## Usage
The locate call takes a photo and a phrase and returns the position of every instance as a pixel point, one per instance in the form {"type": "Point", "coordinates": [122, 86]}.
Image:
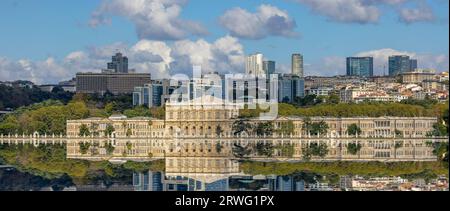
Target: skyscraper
{"type": "Point", "coordinates": [413, 63]}
{"type": "Point", "coordinates": [360, 66]}
{"type": "Point", "coordinates": [119, 64]}
{"type": "Point", "coordinates": [400, 64]}
{"type": "Point", "coordinates": [297, 65]}
{"type": "Point", "coordinates": [254, 65]}
{"type": "Point", "coordinates": [269, 68]}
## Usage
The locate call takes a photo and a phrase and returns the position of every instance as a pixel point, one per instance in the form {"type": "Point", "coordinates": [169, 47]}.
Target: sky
{"type": "Point", "coordinates": [48, 41]}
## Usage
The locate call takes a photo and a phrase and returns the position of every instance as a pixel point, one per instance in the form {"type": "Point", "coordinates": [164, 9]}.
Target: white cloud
{"type": "Point", "coordinates": [327, 66]}
{"type": "Point", "coordinates": [346, 11]}
{"type": "Point", "coordinates": [422, 13]}
{"type": "Point", "coordinates": [369, 11]}
{"type": "Point", "coordinates": [153, 19]}
{"type": "Point", "coordinates": [266, 21]}
{"type": "Point", "coordinates": [161, 59]}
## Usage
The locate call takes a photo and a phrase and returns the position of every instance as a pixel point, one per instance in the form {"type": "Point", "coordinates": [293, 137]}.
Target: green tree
{"type": "Point", "coordinates": [219, 147]}
{"type": "Point", "coordinates": [84, 147]}
{"type": "Point", "coordinates": [241, 125]}
{"type": "Point", "coordinates": [264, 149]}
{"type": "Point", "coordinates": [286, 128]}
{"type": "Point", "coordinates": [240, 151]}
{"type": "Point", "coordinates": [109, 148]}
{"type": "Point", "coordinates": [333, 99]}
{"type": "Point", "coordinates": [314, 149]}
{"type": "Point", "coordinates": [354, 130]}
{"type": "Point", "coordinates": [129, 132]}
{"type": "Point", "coordinates": [129, 146]}
{"type": "Point", "coordinates": [219, 130]}
{"type": "Point", "coordinates": [84, 131]}
{"type": "Point", "coordinates": [264, 128]}
{"type": "Point", "coordinates": [317, 128]}
{"type": "Point", "coordinates": [109, 130]}
{"type": "Point", "coordinates": [10, 125]}
{"type": "Point", "coordinates": [354, 148]}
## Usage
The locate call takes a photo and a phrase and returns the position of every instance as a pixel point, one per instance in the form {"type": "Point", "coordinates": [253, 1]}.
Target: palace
{"type": "Point", "coordinates": [213, 118]}
{"type": "Point", "coordinates": [204, 128]}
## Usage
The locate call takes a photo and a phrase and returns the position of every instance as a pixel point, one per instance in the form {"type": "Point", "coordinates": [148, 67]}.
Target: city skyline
{"type": "Point", "coordinates": [63, 45]}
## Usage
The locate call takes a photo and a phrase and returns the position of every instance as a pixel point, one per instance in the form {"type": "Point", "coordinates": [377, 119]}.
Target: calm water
{"type": "Point", "coordinates": [13, 180]}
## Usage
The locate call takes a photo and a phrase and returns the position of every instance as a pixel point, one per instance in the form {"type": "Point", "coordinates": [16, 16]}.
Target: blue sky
{"type": "Point", "coordinates": [35, 31]}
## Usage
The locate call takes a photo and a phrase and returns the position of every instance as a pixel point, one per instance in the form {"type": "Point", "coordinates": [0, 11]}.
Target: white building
{"type": "Point", "coordinates": [255, 64]}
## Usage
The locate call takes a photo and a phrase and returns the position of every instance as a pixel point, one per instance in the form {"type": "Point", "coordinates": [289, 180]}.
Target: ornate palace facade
{"type": "Point", "coordinates": [204, 128]}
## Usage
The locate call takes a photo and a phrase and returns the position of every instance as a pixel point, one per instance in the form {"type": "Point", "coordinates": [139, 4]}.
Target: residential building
{"type": "Point", "coordinates": [320, 91]}
{"type": "Point", "coordinates": [418, 76]}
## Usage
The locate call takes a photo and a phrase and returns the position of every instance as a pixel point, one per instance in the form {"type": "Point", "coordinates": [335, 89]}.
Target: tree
{"type": "Point", "coordinates": [286, 128]}
{"type": "Point", "coordinates": [219, 147]}
{"type": "Point", "coordinates": [84, 147]}
{"type": "Point", "coordinates": [129, 132]}
{"type": "Point", "coordinates": [110, 108]}
{"type": "Point", "coordinates": [10, 125]}
{"type": "Point", "coordinates": [240, 151]}
{"type": "Point", "coordinates": [129, 146]}
{"type": "Point", "coordinates": [109, 149]}
{"type": "Point", "coordinates": [317, 128]}
{"type": "Point", "coordinates": [240, 126]}
{"type": "Point", "coordinates": [398, 133]}
{"type": "Point", "coordinates": [333, 99]}
{"type": "Point", "coordinates": [265, 128]}
{"type": "Point", "coordinates": [314, 149]}
{"type": "Point", "coordinates": [354, 148]}
{"type": "Point", "coordinates": [219, 130]}
{"type": "Point", "coordinates": [109, 130]}
{"type": "Point", "coordinates": [354, 130]}
{"type": "Point", "coordinates": [438, 130]}
{"type": "Point", "coordinates": [264, 149]}
{"type": "Point", "coordinates": [84, 131]}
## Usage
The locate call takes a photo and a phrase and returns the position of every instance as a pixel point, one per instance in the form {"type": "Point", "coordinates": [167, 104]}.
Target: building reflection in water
{"type": "Point", "coordinates": [210, 174]}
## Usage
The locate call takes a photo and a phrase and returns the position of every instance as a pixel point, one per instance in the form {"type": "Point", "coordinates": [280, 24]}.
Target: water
{"type": "Point", "coordinates": [13, 180]}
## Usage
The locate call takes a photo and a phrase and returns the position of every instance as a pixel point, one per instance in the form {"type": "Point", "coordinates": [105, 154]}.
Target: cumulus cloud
{"type": "Point", "coordinates": [336, 65]}
{"type": "Point", "coordinates": [266, 21]}
{"type": "Point", "coordinates": [159, 58]}
{"type": "Point", "coordinates": [153, 19]}
{"type": "Point", "coordinates": [423, 13]}
{"type": "Point", "coordinates": [346, 11]}
{"type": "Point", "coordinates": [369, 11]}
{"type": "Point", "coordinates": [327, 66]}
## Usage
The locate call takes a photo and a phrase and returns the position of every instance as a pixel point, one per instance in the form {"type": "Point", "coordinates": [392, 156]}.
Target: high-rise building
{"type": "Point", "coordinates": [119, 64]}
{"type": "Point", "coordinates": [297, 65]}
{"type": "Point", "coordinates": [400, 64]}
{"type": "Point", "coordinates": [149, 95]}
{"type": "Point", "coordinates": [360, 66]}
{"type": "Point", "coordinates": [290, 87]}
{"type": "Point", "coordinates": [413, 63]}
{"type": "Point", "coordinates": [254, 65]}
{"type": "Point", "coordinates": [269, 68]}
